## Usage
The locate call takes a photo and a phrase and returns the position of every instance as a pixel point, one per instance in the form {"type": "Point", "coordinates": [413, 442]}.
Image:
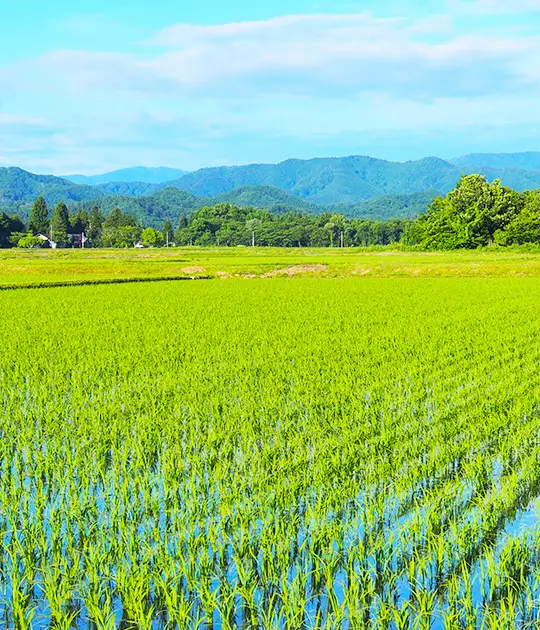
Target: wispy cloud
{"type": "Point", "coordinates": [308, 54]}
{"type": "Point", "coordinates": [494, 7]}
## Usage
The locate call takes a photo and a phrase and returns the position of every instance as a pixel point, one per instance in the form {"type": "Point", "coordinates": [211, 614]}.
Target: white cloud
{"type": "Point", "coordinates": [306, 54]}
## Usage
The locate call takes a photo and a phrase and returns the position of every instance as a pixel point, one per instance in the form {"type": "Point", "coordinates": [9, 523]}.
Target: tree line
{"type": "Point", "coordinates": [222, 224]}
{"type": "Point", "coordinates": [476, 213]}
{"type": "Point", "coordinates": [66, 228]}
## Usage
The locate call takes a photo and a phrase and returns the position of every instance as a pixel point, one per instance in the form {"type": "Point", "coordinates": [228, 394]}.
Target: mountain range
{"type": "Point", "coordinates": [529, 161]}
{"type": "Point", "coordinates": [358, 186]}
{"type": "Point", "coordinates": [150, 175]}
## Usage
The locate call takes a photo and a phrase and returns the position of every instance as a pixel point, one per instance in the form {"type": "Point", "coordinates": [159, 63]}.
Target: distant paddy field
{"type": "Point", "coordinates": [47, 267]}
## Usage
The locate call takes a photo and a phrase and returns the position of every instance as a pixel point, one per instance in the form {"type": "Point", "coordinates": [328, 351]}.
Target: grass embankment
{"type": "Point", "coordinates": [38, 268]}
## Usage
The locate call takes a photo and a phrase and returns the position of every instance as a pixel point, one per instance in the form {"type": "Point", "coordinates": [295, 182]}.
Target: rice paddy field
{"type": "Point", "coordinates": [287, 453]}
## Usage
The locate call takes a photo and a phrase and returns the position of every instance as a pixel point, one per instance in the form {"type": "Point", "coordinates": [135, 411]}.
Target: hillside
{"type": "Point", "coordinates": [265, 197]}
{"type": "Point", "coordinates": [148, 175]}
{"type": "Point", "coordinates": [169, 203]}
{"type": "Point", "coordinates": [130, 189]}
{"type": "Point", "coordinates": [18, 186]}
{"type": "Point", "coordinates": [388, 206]}
{"type": "Point", "coordinates": [350, 180]}
{"type": "Point", "coordinates": [172, 203]}
{"type": "Point", "coordinates": [150, 203]}
{"type": "Point", "coordinates": [355, 186]}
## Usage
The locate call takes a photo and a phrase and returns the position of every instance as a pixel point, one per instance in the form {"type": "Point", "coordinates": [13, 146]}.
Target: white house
{"type": "Point", "coordinates": [47, 241]}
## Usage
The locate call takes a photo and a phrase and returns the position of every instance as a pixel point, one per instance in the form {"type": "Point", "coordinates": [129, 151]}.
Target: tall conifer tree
{"type": "Point", "coordinates": [60, 223]}
{"type": "Point", "coordinates": [39, 217]}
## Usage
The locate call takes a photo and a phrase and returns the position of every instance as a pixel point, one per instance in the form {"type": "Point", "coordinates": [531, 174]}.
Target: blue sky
{"type": "Point", "coordinates": [96, 85]}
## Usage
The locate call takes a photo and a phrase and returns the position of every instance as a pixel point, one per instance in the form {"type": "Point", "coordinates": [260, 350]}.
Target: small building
{"type": "Point", "coordinates": [47, 243]}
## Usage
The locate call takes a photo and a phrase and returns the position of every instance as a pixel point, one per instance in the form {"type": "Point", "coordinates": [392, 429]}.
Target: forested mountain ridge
{"type": "Point", "coordinates": [131, 189]}
{"type": "Point", "coordinates": [265, 197]}
{"type": "Point", "coordinates": [348, 180]}
{"type": "Point", "coordinates": [172, 203]}
{"type": "Point", "coordinates": [476, 213]}
{"type": "Point", "coordinates": [167, 204]}
{"type": "Point", "coordinates": [327, 181]}
{"type": "Point", "coordinates": [388, 206]}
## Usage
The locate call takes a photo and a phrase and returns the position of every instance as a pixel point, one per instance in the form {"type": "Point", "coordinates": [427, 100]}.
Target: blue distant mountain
{"type": "Point", "coordinates": [148, 175]}
{"type": "Point", "coordinates": [529, 161]}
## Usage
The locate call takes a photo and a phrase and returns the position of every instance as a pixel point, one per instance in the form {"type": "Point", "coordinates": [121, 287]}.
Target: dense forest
{"type": "Point", "coordinates": [475, 213]}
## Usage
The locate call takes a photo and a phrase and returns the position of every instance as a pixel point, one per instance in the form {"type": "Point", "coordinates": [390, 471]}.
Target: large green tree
{"type": "Point", "coordinates": [60, 223]}
{"type": "Point", "coordinates": [95, 225]}
{"type": "Point", "coordinates": [9, 224]}
{"type": "Point", "coordinates": [117, 219]}
{"type": "Point", "coordinates": [121, 237]}
{"type": "Point", "coordinates": [469, 216]}
{"type": "Point", "coordinates": [525, 227]}
{"type": "Point", "coordinates": [151, 237]}
{"type": "Point", "coordinates": [79, 222]}
{"type": "Point", "coordinates": [39, 217]}
{"type": "Point", "coordinates": [119, 230]}
{"type": "Point", "coordinates": [168, 231]}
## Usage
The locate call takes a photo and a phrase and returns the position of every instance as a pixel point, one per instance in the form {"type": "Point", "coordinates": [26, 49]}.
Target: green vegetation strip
{"type": "Point", "coordinates": [81, 283]}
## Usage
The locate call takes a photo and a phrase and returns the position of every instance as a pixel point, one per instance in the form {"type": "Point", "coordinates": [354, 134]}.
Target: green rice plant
{"type": "Point", "coordinates": [402, 616]}
{"type": "Point", "coordinates": [99, 606]}
{"type": "Point", "coordinates": [20, 604]}
{"type": "Point", "coordinates": [134, 591]}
